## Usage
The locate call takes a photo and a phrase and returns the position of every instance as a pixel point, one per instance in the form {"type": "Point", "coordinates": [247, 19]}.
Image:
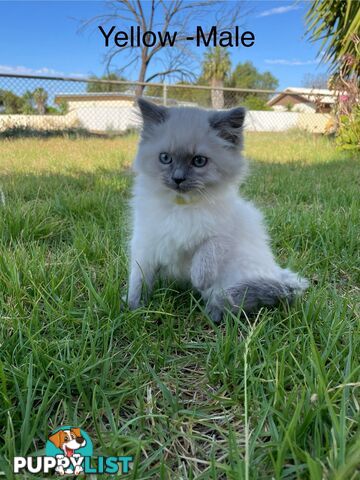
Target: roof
{"type": "Point", "coordinates": [322, 95]}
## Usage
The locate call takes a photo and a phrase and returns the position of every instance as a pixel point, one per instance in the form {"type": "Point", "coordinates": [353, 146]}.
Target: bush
{"type": "Point", "coordinates": [348, 134]}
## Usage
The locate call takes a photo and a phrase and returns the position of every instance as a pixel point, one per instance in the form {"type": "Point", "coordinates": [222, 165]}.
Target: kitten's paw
{"type": "Point", "coordinates": [134, 304]}
{"type": "Point", "coordinates": [214, 312]}
{"type": "Point", "coordinates": [294, 281]}
{"type": "Point", "coordinates": [128, 303]}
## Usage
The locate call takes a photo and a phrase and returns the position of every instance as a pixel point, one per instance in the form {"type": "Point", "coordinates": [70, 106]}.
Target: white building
{"type": "Point", "coordinates": [103, 111]}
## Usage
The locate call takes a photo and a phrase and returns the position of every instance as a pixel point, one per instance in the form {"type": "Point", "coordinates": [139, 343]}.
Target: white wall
{"type": "Point", "coordinates": [107, 116]}
{"type": "Point", "coordinates": [259, 121]}
{"type": "Point", "coordinates": [120, 115]}
{"type": "Point", "coordinates": [39, 122]}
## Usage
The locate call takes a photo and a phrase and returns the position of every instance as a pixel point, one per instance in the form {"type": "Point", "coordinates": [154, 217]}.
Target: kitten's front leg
{"type": "Point", "coordinates": [205, 266]}
{"type": "Point", "coordinates": [141, 281]}
{"type": "Point", "coordinates": [205, 263]}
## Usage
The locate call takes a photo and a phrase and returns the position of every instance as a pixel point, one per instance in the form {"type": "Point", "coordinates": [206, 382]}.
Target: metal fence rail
{"type": "Point", "coordinates": [42, 104]}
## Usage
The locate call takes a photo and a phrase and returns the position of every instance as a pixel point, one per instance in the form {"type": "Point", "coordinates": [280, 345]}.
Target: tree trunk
{"type": "Point", "coordinates": [40, 107]}
{"type": "Point", "coordinates": [139, 89]}
{"type": "Point", "coordinates": [217, 95]}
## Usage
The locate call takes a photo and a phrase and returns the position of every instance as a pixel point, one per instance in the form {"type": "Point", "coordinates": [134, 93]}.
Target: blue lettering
{"type": "Point", "coordinates": [125, 463]}
{"type": "Point", "coordinates": [87, 465]}
{"type": "Point", "coordinates": [111, 465]}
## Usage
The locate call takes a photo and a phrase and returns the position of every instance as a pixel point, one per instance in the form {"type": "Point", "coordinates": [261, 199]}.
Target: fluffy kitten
{"type": "Point", "coordinates": [189, 221]}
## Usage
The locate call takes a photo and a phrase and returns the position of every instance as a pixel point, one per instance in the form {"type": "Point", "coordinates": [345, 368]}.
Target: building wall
{"type": "Point", "coordinates": [258, 121]}
{"type": "Point", "coordinates": [39, 122]}
{"type": "Point", "coordinates": [299, 104]}
{"type": "Point", "coordinates": [105, 115]}
{"type": "Point", "coordinates": [119, 116]}
{"type": "Point", "coordinates": [314, 122]}
{"type": "Point", "coordinates": [289, 99]}
{"type": "Point", "coordinates": [296, 107]}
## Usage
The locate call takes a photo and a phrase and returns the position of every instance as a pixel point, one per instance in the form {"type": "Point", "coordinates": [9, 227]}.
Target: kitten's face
{"type": "Point", "coordinates": [190, 149]}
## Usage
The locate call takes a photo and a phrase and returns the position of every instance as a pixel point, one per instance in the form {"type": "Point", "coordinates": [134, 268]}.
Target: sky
{"type": "Point", "coordinates": [43, 37]}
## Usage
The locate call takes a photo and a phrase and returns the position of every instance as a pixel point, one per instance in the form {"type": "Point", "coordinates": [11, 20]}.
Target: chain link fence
{"type": "Point", "coordinates": [39, 105]}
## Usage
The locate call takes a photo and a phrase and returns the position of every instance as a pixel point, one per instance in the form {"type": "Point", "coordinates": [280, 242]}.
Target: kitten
{"type": "Point", "coordinates": [189, 221]}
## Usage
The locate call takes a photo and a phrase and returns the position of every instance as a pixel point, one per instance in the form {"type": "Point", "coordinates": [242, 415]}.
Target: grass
{"type": "Point", "coordinates": [274, 399]}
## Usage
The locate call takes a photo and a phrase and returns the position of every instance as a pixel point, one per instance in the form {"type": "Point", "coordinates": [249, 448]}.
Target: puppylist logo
{"type": "Point", "coordinates": [69, 450]}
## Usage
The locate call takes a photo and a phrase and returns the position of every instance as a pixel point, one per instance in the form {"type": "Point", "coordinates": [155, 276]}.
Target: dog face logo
{"type": "Point", "coordinates": [68, 440]}
{"type": "Point", "coordinates": [69, 445]}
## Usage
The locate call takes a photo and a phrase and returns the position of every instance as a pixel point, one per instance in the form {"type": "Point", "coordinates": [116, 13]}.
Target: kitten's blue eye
{"type": "Point", "coordinates": [199, 161]}
{"type": "Point", "coordinates": [165, 158]}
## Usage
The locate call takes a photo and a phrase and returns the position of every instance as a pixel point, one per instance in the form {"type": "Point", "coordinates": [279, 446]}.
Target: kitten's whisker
{"type": "Point", "coordinates": [205, 195]}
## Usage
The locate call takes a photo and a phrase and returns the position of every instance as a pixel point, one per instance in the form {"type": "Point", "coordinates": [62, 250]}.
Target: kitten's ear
{"type": "Point", "coordinates": [229, 124]}
{"type": "Point", "coordinates": [151, 114]}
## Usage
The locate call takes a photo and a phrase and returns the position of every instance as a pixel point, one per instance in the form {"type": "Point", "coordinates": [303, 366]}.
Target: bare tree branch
{"type": "Point", "coordinates": [183, 73]}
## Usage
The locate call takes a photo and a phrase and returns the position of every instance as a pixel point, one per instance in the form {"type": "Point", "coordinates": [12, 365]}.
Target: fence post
{"type": "Point", "coordinates": [164, 93]}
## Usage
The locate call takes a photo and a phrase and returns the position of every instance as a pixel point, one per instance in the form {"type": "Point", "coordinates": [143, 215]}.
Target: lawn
{"type": "Point", "coordinates": [275, 398]}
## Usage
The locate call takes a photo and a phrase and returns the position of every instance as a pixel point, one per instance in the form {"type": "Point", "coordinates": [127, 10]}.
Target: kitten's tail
{"type": "Point", "coordinates": [251, 295]}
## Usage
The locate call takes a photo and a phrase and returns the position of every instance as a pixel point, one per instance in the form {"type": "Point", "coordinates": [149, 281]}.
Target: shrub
{"type": "Point", "coordinates": [348, 133]}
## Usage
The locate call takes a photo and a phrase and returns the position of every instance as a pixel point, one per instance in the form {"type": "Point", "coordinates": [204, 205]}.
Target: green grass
{"type": "Point", "coordinates": [274, 399]}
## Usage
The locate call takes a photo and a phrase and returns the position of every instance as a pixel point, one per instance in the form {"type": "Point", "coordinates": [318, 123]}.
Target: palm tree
{"type": "Point", "coordinates": [28, 99]}
{"type": "Point", "coordinates": [40, 98]}
{"type": "Point", "coordinates": [216, 68]}
{"type": "Point", "coordinates": [336, 24]}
